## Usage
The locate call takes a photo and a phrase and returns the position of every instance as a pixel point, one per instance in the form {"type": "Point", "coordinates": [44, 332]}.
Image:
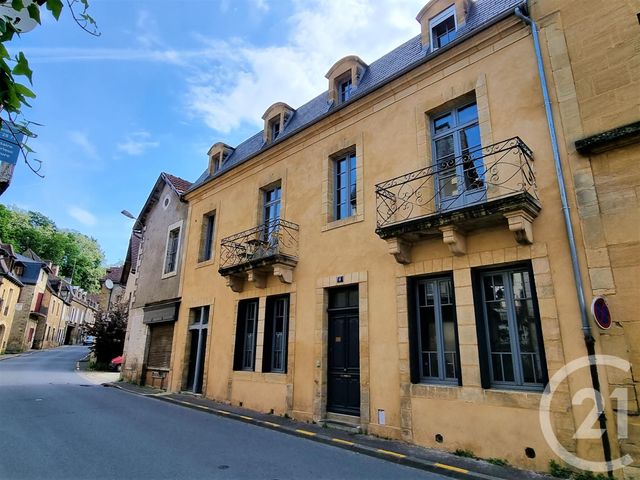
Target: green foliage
{"type": "Point", "coordinates": [462, 452]}
{"type": "Point", "coordinates": [561, 471]}
{"type": "Point", "coordinates": [78, 255]}
{"type": "Point", "coordinates": [109, 330]}
{"type": "Point", "coordinates": [501, 462]}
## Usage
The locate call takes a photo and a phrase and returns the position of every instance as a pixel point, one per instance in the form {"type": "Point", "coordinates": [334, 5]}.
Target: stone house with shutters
{"type": "Point", "coordinates": [10, 287]}
{"type": "Point", "coordinates": [413, 252]}
{"type": "Point", "coordinates": [31, 309]}
{"type": "Point", "coordinates": [153, 267]}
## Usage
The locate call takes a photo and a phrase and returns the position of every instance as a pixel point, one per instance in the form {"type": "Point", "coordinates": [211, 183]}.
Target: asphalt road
{"type": "Point", "coordinates": [55, 425]}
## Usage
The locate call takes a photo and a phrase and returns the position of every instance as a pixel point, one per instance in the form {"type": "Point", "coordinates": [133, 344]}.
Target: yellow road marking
{"type": "Point", "coordinates": [453, 469]}
{"type": "Point", "coordinates": [344, 442]}
{"type": "Point", "coordinates": [305, 432]}
{"type": "Point", "coordinates": [399, 455]}
{"type": "Point", "coordinates": [245, 417]}
{"type": "Point", "coordinates": [270, 423]}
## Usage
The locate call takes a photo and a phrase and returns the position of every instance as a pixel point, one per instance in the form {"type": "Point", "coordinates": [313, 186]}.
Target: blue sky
{"type": "Point", "coordinates": [165, 81]}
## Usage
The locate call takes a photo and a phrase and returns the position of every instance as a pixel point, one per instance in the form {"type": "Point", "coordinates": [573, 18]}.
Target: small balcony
{"type": "Point", "coordinates": [252, 255]}
{"type": "Point", "coordinates": [40, 311]}
{"type": "Point", "coordinates": [483, 188]}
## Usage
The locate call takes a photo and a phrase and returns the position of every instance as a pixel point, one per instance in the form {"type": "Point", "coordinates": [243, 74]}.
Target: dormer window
{"type": "Point", "coordinates": [344, 78]}
{"type": "Point", "coordinates": [443, 28]}
{"type": "Point", "coordinates": [440, 20]}
{"type": "Point", "coordinates": [218, 155]}
{"type": "Point", "coordinates": [275, 121]}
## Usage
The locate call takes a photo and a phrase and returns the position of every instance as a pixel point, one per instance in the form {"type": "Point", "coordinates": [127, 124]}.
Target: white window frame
{"type": "Point", "coordinates": [170, 228]}
{"type": "Point", "coordinates": [438, 19]}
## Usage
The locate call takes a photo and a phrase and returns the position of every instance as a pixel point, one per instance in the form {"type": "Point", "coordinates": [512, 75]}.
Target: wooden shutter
{"type": "Point", "coordinates": [160, 339]}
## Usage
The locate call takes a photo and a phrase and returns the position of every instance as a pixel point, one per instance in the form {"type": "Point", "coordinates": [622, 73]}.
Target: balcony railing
{"type": "Point", "coordinates": [273, 241]}
{"type": "Point", "coordinates": [481, 175]}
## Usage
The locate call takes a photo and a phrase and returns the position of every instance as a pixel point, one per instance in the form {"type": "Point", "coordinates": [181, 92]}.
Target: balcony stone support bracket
{"type": "Point", "coordinates": [400, 249]}
{"type": "Point", "coordinates": [258, 278]}
{"type": "Point", "coordinates": [235, 282]}
{"type": "Point", "coordinates": [455, 239]}
{"type": "Point", "coordinates": [284, 273]}
{"type": "Point", "coordinates": [521, 224]}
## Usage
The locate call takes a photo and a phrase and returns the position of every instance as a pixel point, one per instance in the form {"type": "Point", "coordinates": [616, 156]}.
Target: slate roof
{"type": "Point", "coordinates": [405, 57]}
{"type": "Point", "coordinates": [7, 258]}
{"type": "Point", "coordinates": [31, 268]}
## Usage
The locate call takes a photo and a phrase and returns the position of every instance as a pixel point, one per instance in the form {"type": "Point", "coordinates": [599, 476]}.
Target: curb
{"type": "Point", "coordinates": [387, 455]}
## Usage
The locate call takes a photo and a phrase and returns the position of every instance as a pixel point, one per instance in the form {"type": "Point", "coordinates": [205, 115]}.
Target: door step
{"type": "Point", "coordinates": [346, 423]}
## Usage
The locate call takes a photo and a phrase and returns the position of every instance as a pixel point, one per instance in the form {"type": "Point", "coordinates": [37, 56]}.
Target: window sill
{"type": "Point", "coordinates": [206, 263]}
{"type": "Point", "coordinates": [343, 222]}
{"type": "Point", "coordinates": [169, 275]}
{"type": "Point", "coordinates": [265, 377]}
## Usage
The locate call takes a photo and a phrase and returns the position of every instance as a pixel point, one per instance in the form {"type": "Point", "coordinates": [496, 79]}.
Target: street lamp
{"type": "Point", "coordinates": [128, 214]}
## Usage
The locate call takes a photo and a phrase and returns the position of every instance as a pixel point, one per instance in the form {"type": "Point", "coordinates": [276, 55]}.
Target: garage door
{"type": "Point", "coordinates": [160, 339]}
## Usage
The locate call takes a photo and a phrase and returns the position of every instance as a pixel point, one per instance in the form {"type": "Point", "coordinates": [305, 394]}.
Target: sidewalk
{"type": "Point", "coordinates": [7, 356]}
{"type": "Point", "coordinates": [425, 459]}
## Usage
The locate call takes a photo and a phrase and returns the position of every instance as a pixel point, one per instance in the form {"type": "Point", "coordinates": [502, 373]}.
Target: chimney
{"type": "Point", "coordinates": [55, 269]}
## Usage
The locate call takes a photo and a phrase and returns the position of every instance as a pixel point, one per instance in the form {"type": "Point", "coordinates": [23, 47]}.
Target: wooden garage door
{"type": "Point", "coordinates": [160, 339]}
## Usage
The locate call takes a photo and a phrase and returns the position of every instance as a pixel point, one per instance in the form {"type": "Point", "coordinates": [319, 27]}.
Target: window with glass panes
{"type": "Point", "coordinates": [443, 28]}
{"type": "Point", "coordinates": [514, 346]}
{"type": "Point", "coordinates": [457, 157]}
{"type": "Point", "coordinates": [247, 325]}
{"type": "Point", "coordinates": [276, 333]}
{"type": "Point", "coordinates": [172, 251]}
{"type": "Point", "coordinates": [436, 330]}
{"type": "Point", "coordinates": [208, 226]}
{"type": "Point", "coordinates": [345, 186]}
{"type": "Point", "coordinates": [345, 90]}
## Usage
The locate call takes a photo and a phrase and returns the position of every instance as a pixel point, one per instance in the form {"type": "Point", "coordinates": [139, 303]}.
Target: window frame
{"type": "Point", "coordinates": [207, 239]}
{"type": "Point", "coordinates": [269, 343]}
{"type": "Point", "coordinates": [275, 128]}
{"type": "Point", "coordinates": [241, 346]}
{"type": "Point", "coordinates": [482, 323]}
{"type": "Point", "coordinates": [345, 89]}
{"type": "Point", "coordinates": [171, 228]}
{"type": "Point", "coordinates": [475, 195]}
{"type": "Point", "coordinates": [437, 20]}
{"type": "Point", "coordinates": [416, 333]}
{"type": "Point", "coordinates": [351, 160]}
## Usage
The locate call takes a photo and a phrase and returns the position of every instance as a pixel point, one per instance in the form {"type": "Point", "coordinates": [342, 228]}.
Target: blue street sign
{"type": "Point", "coordinates": [10, 142]}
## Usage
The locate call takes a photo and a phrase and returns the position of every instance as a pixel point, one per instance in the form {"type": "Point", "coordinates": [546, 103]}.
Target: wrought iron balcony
{"type": "Point", "coordinates": [272, 246]}
{"type": "Point", "coordinates": [479, 188]}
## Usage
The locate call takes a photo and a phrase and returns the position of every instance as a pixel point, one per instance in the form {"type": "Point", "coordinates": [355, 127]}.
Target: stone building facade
{"type": "Point", "coordinates": [393, 254]}
{"type": "Point", "coordinates": [153, 269]}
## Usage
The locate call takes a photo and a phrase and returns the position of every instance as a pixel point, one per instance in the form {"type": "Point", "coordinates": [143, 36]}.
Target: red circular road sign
{"type": "Point", "coordinates": [601, 313]}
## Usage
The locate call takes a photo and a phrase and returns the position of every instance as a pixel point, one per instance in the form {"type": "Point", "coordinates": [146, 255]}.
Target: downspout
{"type": "Point", "coordinates": [586, 327]}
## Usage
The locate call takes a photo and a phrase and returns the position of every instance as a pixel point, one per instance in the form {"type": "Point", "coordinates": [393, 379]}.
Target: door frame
{"type": "Point", "coordinates": [321, 342]}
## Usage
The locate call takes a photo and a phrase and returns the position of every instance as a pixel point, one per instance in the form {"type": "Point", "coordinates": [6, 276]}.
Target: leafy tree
{"type": "Point", "coordinates": [79, 256]}
{"type": "Point", "coordinates": [109, 331]}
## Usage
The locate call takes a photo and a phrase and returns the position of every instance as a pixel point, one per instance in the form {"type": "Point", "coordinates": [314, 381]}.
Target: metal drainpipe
{"type": "Point", "coordinates": [586, 327]}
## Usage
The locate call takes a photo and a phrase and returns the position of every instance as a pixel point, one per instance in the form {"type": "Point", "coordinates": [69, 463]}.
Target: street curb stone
{"type": "Point", "coordinates": [388, 450]}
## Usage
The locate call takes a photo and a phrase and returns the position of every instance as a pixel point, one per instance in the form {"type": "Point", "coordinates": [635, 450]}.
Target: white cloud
{"type": "Point", "coordinates": [237, 81]}
{"type": "Point", "coordinates": [230, 83]}
{"type": "Point", "coordinates": [83, 216]}
{"type": "Point", "coordinates": [137, 143]}
{"type": "Point", "coordinates": [82, 140]}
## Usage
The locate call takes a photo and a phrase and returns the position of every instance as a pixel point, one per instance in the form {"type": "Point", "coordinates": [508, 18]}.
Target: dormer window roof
{"type": "Point", "coordinates": [275, 120]}
{"type": "Point", "coordinates": [344, 77]}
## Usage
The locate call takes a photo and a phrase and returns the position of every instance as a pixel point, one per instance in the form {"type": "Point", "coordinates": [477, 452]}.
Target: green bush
{"type": "Point", "coordinates": [462, 452]}
{"type": "Point", "coordinates": [501, 462]}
